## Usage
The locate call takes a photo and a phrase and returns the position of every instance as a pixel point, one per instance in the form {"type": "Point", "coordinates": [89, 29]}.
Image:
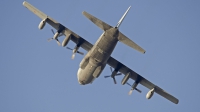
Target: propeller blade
{"type": "Point", "coordinates": [111, 69]}
{"type": "Point", "coordinates": [106, 76]}
{"type": "Point", "coordinates": [73, 55]}
{"type": "Point", "coordinates": [138, 90]}
{"type": "Point", "coordinates": [130, 92]}
{"type": "Point", "coordinates": [58, 42]}
{"type": "Point", "coordinates": [69, 48]}
{"type": "Point", "coordinates": [80, 52]}
{"type": "Point", "coordinates": [114, 80]}
{"type": "Point", "coordinates": [132, 89]}
{"type": "Point", "coordinates": [52, 31]}
{"type": "Point", "coordinates": [50, 39]}
{"type": "Point", "coordinates": [61, 34]}
{"type": "Point", "coordinates": [128, 84]}
{"type": "Point", "coordinates": [118, 74]}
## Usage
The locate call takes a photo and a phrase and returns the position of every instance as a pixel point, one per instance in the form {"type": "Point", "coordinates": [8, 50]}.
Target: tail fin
{"type": "Point", "coordinates": [122, 38]}
{"type": "Point", "coordinates": [121, 20]}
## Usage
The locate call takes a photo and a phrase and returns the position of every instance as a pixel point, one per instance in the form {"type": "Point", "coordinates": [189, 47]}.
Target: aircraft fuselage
{"type": "Point", "coordinates": [95, 60]}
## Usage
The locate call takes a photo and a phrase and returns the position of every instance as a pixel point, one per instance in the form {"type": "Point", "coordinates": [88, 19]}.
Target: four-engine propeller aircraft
{"type": "Point", "coordinates": [99, 54]}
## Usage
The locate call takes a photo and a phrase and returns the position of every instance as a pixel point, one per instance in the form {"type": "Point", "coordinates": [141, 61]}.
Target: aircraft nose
{"type": "Point", "coordinates": [81, 82]}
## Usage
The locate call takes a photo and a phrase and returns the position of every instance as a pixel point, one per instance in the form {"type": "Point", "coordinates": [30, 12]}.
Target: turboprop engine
{"type": "Point", "coordinates": [150, 93]}
{"type": "Point", "coordinates": [42, 24]}
{"type": "Point", "coordinates": [55, 37]}
{"type": "Point", "coordinates": [125, 79]}
{"type": "Point", "coordinates": [114, 73]}
{"type": "Point", "coordinates": [58, 33]}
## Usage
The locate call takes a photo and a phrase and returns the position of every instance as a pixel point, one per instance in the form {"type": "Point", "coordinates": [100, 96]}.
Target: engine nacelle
{"type": "Point", "coordinates": [150, 93]}
{"type": "Point", "coordinates": [66, 40]}
{"type": "Point", "coordinates": [42, 24]}
{"type": "Point", "coordinates": [125, 79]}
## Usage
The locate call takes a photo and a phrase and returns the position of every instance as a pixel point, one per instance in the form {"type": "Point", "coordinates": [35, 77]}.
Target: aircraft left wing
{"type": "Point", "coordinates": [111, 61]}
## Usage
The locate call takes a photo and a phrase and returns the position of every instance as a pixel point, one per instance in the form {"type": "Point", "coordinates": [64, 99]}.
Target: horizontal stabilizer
{"type": "Point", "coordinates": [104, 26]}
{"type": "Point", "coordinates": [122, 38]}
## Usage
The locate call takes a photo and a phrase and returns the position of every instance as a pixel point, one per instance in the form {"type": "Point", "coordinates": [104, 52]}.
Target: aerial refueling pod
{"type": "Point", "coordinates": [150, 93]}
{"type": "Point", "coordinates": [66, 40]}
{"type": "Point", "coordinates": [42, 24]}
{"type": "Point", "coordinates": [125, 79]}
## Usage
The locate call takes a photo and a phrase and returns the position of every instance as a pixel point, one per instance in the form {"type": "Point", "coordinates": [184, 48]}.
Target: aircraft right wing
{"type": "Point", "coordinates": [133, 75]}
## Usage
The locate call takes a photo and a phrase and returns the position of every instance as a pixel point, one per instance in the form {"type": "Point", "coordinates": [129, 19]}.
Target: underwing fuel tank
{"type": "Point", "coordinates": [150, 93]}
{"type": "Point", "coordinates": [42, 24]}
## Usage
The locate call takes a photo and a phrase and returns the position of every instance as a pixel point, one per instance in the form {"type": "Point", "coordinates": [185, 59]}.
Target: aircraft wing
{"type": "Point", "coordinates": [74, 37]}
{"type": "Point", "coordinates": [87, 46]}
{"type": "Point", "coordinates": [124, 69]}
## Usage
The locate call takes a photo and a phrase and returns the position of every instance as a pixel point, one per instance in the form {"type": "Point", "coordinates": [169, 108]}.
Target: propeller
{"type": "Point", "coordinates": [114, 73]}
{"type": "Point", "coordinates": [55, 37]}
{"type": "Point", "coordinates": [75, 51]}
{"type": "Point", "coordinates": [130, 92]}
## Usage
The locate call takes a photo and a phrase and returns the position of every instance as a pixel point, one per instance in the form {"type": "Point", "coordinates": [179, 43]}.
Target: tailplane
{"type": "Point", "coordinates": [104, 26]}
{"type": "Point", "coordinates": [122, 38]}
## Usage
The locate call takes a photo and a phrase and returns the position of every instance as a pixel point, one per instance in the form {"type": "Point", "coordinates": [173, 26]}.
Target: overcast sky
{"type": "Point", "coordinates": [39, 76]}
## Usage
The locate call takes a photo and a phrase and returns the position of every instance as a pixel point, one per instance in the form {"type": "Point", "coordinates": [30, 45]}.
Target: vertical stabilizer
{"type": "Point", "coordinates": [120, 21]}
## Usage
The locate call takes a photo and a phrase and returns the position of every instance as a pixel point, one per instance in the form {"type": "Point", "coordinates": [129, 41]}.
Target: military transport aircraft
{"type": "Point", "coordinates": [99, 54]}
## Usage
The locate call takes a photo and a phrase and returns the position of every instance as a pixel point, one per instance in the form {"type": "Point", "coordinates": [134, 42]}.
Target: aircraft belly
{"type": "Point", "coordinates": [95, 61]}
{"type": "Point", "coordinates": [103, 49]}
{"type": "Point", "coordinates": [107, 43]}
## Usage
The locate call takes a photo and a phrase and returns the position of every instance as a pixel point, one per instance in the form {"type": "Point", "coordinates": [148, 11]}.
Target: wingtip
{"type": "Point", "coordinates": [24, 3]}
{"type": "Point", "coordinates": [177, 101]}
{"type": "Point", "coordinates": [83, 12]}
